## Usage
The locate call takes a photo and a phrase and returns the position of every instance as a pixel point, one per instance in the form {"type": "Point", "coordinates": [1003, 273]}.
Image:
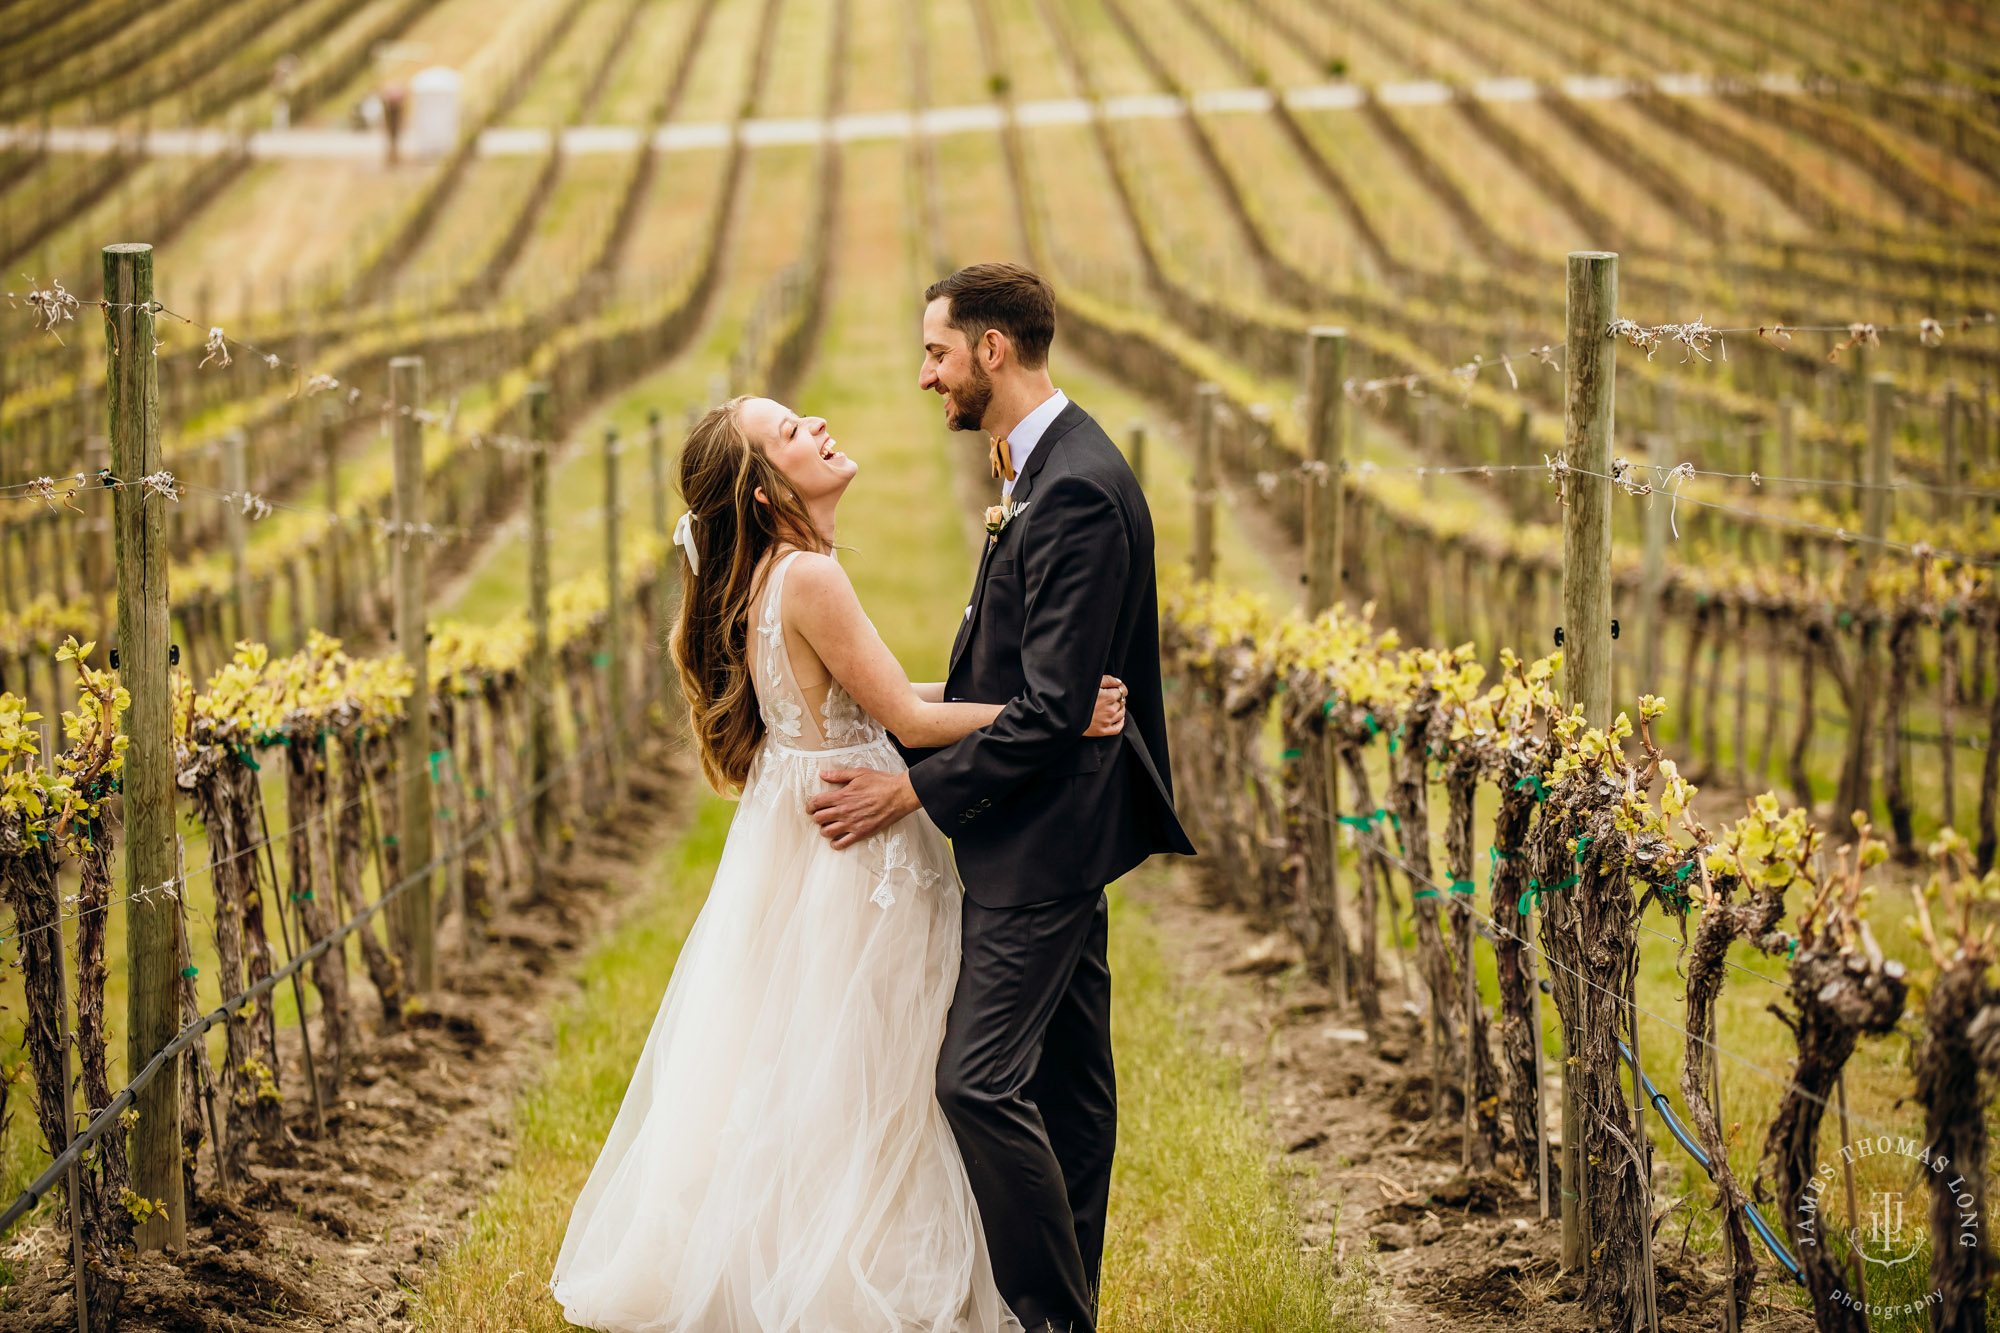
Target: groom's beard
{"type": "Point", "coordinates": [968, 404]}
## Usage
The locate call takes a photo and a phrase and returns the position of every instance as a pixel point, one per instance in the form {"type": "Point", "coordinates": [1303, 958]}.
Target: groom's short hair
{"type": "Point", "coordinates": [1012, 298]}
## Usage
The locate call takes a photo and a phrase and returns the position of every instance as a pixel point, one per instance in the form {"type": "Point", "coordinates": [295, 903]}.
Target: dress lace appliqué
{"type": "Point", "coordinates": [787, 768]}
{"type": "Point", "coordinates": [846, 724]}
{"type": "Point", "coordinates": [782, 716]}
{"type": "Point", "coordinates": [898, 861]}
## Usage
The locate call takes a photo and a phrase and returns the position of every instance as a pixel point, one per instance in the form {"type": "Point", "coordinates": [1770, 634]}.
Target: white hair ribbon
{"type": "Point", "coordinates": [684, 538]}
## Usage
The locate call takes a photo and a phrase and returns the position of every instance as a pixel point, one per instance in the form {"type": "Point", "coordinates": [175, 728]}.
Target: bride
{"type": "Point", "coordinates": [780, 1161]}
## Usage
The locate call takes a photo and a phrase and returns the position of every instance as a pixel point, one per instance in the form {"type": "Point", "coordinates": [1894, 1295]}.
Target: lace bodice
{"type": "Point", "coordinates": [789, 719]}
{"type": "Point", "coordinates": [796, 736]}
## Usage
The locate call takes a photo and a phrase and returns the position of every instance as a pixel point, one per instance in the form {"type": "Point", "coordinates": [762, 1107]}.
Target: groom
{"type": "Point", "coordinates": [1041, 818]}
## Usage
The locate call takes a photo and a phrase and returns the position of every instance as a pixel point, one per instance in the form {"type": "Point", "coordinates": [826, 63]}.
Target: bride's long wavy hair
{"type": "Point", "coordinates": [721, 471]}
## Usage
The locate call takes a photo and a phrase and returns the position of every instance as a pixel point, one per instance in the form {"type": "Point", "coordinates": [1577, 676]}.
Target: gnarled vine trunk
{"type": "Point", "coordinates": [1838, 995]}
{"type": "Point", "coordinates": [1518, 1032]}
{"type": "Point", "coordinates": [1797, 767]}
{"type": "Point", "coordinates": [1460, 780]}
{"type": "Point", "coordinates": [28, 882]}
{"type": "Point", "coordinates": [1989, 773]}
{"type": "Point", "coordinates": [312, 903]}
{"type": "Point", "coordinates": [1313, 835]}
{"type": "Point", "coordinates": [1961, 1049]}
{"type": "Point", "coordinates": [1409, 798]}
{"type": "Point", "coordinates": [1366, 974]}
{"type": "Point", "coordinates": [350, 863]}
{"type": "Point", "coordinates": [1857, 781]}
{"type": "Point", "coordinates": [1895, 704]}
{"type": "Point", "coordinates": [1704, 964]}
{"type": "Point", "coordinates": [1372, 870]}
{"type": "Point", "coordinates": [261, 1072]}
{"type": "Point", "coordinates": [1588, 937]}
{"type": "Point", "coordinates": [248, 1070]}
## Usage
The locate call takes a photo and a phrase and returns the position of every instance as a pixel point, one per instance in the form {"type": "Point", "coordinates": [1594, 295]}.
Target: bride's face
{"type": "Point", "coordinates": [800, 447]}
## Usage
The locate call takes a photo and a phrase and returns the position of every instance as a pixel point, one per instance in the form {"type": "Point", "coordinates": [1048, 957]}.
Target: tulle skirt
{"type": "Point", "coordinates": [780, 1162]}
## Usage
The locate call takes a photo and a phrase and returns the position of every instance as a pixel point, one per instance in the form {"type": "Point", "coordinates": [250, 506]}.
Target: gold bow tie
{"type": "Point", "coordinates": [1003, 459]}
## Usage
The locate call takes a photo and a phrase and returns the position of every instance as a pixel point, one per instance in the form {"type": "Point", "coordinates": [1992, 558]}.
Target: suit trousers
{"type": "Point", "coordinates": [1026, 1080]}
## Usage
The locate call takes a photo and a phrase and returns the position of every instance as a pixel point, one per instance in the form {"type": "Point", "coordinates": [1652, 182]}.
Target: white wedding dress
{"type": "Point", "coordinates": [780, 1163]}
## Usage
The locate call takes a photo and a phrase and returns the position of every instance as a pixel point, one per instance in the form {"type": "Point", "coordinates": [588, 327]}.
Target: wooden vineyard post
{"type": "Point", "coordinates": [415, 913]}
{"type": "Point", "coordinates": [669, 567]}
{"type": "Point", "coordinates": [73, 1179]}
{"type": "Point", "coordinates": [97, 553]}
{"type": "Point", "coordinates": [1652, 627]}
{"type": "Point", "coordinates": [614, 624]}
{"type": "Point", "coordinates": [1714, 1062]}
{"type": "Point", "coordinates": [1136, 455]}
{"type": "Point", "coordinates": [1945, 497]}
{"type": "Point", "coordinates": [1860, 1270]}
{"type": "Point", "coordinates": [1467, 1095]}
{"type": "Point", "coordinates": [541, 677]}
{"type": "Point", "coordinates": [1528, 500]}
{"type": "Point", "coordinates": [132, 390]}
{"type": "Point", "coordinates": [11, 587]}
{"type": "Point", "coordinates": [1206, 399]}
{"type": "Point", "coordinates": [329, 460]}
{"type": "Point", "coordinates": [1343, 986]}
{"type": "Point", "coordinates": [1326, 447]}
{"type": "Point", "coordinates": [1533, 953]}
{"type": "Point", "coordinates": [1788, 457]}
{"type": "Point", "coordinates": [236, 480]}
{"type": "Point", "coordinates": [1649, 1302]}
{"type": "Point", "coordinates": [1428, 454]}
{"type": "Point", "coordinates": [1589, 371]}
{"type": "Point", "coordinates": [1856, 783]}
{"type": "Point", "coordinates": [1877, 500]}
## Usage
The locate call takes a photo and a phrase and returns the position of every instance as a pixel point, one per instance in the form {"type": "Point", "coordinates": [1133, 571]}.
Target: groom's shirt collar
{"type": "Point", "coordinates": [1021, 440]}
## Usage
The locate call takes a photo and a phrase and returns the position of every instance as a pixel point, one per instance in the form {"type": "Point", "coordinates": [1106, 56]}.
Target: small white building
{"type": "Point", "coordinates": [431, 123]}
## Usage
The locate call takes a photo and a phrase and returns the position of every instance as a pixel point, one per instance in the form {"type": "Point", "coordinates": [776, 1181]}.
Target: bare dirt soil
{"type": "Point", "coordinates": [333, 1233]}
{"type": "Point", "coordinates": [1458, 1251]}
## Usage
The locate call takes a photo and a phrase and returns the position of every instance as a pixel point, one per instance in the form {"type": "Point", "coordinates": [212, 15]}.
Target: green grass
{"type": "Point", "coordinates": [496, 1277]}
{"type": "Point", "coordinates": [1204, 1234]}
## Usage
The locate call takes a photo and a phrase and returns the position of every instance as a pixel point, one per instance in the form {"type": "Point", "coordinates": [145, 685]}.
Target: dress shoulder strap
{"type": "Point", "coordinates": [774, 583]}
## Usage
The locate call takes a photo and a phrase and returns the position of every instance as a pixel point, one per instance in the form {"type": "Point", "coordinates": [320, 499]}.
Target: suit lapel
{"type": "Point", "coordinates": [1066, 421]}
{"type": "Point", "coordinates": [964, 639]}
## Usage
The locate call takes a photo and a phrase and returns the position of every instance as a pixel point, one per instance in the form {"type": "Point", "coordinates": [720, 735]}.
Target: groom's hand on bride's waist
{"type": "Point", "coordinates": [860, 803]}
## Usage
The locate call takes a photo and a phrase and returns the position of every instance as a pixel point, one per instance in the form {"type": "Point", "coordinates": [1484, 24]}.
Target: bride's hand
{"type": "Point", "coordinates": [1108, 719]}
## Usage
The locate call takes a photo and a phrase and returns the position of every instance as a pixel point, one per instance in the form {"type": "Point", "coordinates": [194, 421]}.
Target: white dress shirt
{"type": "Point", "coordinates": [1021, 440]}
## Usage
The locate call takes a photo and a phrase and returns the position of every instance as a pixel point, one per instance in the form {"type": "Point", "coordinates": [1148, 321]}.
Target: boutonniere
{"type": "Point", "coordinates": [1000, 515]}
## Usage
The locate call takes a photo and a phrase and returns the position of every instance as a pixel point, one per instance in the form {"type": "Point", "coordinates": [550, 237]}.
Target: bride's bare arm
{"type": "Point", "coordinates": [930, 691]}
{"type": "Point", "coordinates": [820, 603]}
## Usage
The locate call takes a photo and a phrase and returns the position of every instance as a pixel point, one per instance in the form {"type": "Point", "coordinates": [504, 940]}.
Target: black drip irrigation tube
{"type": "Point", "coordinates": [1680, 1132]}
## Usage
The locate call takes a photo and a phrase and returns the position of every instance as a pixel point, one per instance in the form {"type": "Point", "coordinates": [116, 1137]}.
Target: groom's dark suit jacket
{"type": "Point", "coordinates": [1065, 595]}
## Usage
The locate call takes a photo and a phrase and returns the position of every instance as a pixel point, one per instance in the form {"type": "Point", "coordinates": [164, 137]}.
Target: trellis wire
{"type": "Point", "coordinates": [1668, 1023]}
{"type": "Point", "coordinates": [172, 887]}
{"type": "Point", "coordinates": [1367, 467]}
{"type": "Point", "coordinates": [193, 1031]}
